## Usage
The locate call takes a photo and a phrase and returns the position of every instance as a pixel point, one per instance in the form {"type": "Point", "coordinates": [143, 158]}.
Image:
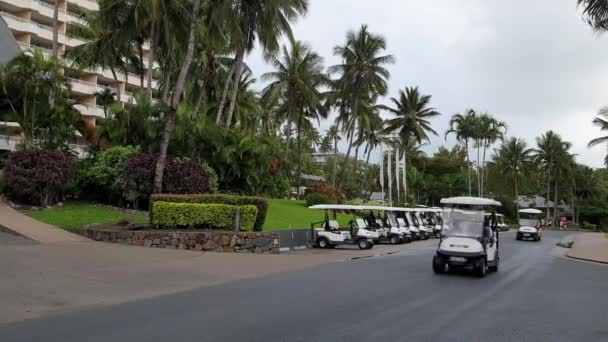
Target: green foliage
{"type": "Point", "coordinates": [589, 226]}
{"type": "Point", "coordinates": [216, 216]}
{"type": "Point", "coordinates": [286, 214]}
{"type": "Point", "coordinates": [316, 198]}
{"type": "Point", "coordinates": [260, 203]}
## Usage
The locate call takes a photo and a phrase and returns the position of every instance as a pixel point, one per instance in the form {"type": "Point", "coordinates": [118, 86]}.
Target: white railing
{"type": "Point", "coordinates": [11, 142]}
{"type": "Point", "coordinates": [48, 29]}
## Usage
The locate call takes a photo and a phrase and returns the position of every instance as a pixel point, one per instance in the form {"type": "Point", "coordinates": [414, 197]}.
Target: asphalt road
{"type": "Point", "coordinates": [538, 295]}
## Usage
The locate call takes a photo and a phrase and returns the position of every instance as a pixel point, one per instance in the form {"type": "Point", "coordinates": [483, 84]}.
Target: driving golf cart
{"type": "Point", "coordinates": [469, 239]}
{"type": "Point", "coordinates": [529, 225]}
{"type": "Point", "coordinates": [328, 234]}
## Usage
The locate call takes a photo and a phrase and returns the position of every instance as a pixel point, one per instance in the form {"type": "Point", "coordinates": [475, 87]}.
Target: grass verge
{"type": "Point", "coordinates": [287, 214]}
{"type": "Point", "coordinates": [75, 215]}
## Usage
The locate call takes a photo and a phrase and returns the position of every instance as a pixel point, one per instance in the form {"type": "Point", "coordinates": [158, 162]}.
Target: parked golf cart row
{"type": "Point", "coordinates": [374, 224]}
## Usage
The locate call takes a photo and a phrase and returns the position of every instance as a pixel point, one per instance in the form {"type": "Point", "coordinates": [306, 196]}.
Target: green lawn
{"type": "Point", "coordinates": [286, 214]}
{"type": "Point", "coordinates": [76, 215]}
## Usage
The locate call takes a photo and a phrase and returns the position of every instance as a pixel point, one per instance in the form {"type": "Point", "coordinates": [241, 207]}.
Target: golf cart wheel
{"type": "Point", "coordinates": [439, 265]}
{"type": "Point", "coordinates": [363, 244]}
{"type": "Point", "coordinates": [323, 243]}
{"type": "Point", "coordinates": [482, 269]}
{"type": "Point", "coordinates": [395, 240]}
{"type": "Point", "coordinates": [495, 267]}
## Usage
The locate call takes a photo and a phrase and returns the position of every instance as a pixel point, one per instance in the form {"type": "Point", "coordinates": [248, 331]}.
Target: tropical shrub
{"type": "Point", "coordinates": [181, 177]}
{"type": "Point", "coordinates": [326, 190]}
{"type": "Point", "coordinates": [38, 177]}
{"type": "Point", "coordinates": [202, 215]}
{"type": "Point", "coordinates": [99, 177]}
{"type": "Point", "coordinates": [260, 203]}
{"type": "Point", "coordinates": [316, 198]}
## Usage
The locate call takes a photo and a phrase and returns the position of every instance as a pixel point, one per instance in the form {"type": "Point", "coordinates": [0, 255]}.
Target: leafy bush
{"type": "Point", "coordinates": [259, 202]}
{"type": "Point", "coordinates": [315, 198]}
{"type": "Point", "coordinates": [325, 189]}
{"type": "Point", "coordinates": [38, 177]}
{"type": "Point", "coordinates": [180, 176]}
{"type": "Point", "coordinates": [100, 176]}
{"type": "Point", "coordinates": [589, 226]}
{"type": "Point", "coordinates": [202, 215]}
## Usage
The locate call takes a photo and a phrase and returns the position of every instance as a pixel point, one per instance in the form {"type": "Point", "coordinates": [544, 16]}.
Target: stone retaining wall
{"type": "Point", "coordinates": [213, 241]}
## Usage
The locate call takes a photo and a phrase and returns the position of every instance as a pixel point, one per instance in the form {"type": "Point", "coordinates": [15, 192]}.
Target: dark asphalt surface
{"type": "Point", "coordinates": [538, 295]}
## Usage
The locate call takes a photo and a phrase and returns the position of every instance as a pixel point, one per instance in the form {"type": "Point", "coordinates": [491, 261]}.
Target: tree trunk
{"type": "Point", "coordinates": [345, 165]}
{"type": "Point", "coordinates": [222, 103]}
{"type": "Point", "coordinates": [179, 88]}
{"type": "Point", "coordinates": [299, 157]}
{"type": "Point", "coordinates": [56, 29]}
{"type": "Point", "coordinates": [405, 174]}
{"type": "Point", "coordinates": [369, 152]}
{"type": "Point", "coordinates": [466, 144]}
{"type": "Point", "coordinates": [548, 193]}
{"type": "Point", "coordinates": [199, 101]}
{"type": "Point", "coordinates": [356, 160]}
{"type": "Point", "coordinates": [516, 197]}
{"type": "Point", "coordinates": [153, 44]}
{"type": "Point", "coordinates": [335, 166]}
{"type": "Point", "coordinates": [555, 198]}
{"type": "Point", "coordinates": [288, 131]}
{"type": "Point", "coordinates": [235, 89]}
{"type": "Point", "coordinates": [142, 74]}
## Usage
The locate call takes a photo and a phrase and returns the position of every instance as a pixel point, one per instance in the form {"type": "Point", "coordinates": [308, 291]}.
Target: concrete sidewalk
{"type": "Point", "coordinates": [590, 247]}
{"type": "Point", "coordinates": [26, 226]}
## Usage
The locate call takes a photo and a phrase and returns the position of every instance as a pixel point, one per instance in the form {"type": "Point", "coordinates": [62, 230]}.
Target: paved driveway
{"type": "Point", "coordinates": [538, 295]}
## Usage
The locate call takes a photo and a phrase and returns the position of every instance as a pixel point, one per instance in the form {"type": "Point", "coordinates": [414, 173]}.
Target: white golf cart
{"type": "Point", "coordinates": [418, 222]}
{"type": "Point", "coordinates": [431, 218]}
{"type": "Point", "coordinates": [500, 219]}
{"type": "Point", "coordinates": [529, 225]}
{"type": "Point", "coordinates": [328, 234]}
{"type": "Point", "coordinates": [406, 222]}
{"type": "Point", "coordinates": [469, 240]}
{"type": "Point", "coordinates": [378, 219]}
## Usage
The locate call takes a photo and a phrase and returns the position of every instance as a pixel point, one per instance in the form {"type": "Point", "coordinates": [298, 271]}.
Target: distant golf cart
{"type": "Point", "coordinates": [328, 234]}
{"type": "Point", "coordinates": [414, 222]}
{"type": "Point", "coordinates": [469, 239]}
{"type": "Point", "coordinates": [383, 221]}
{"type": "Point", "coordinates": [501, 225]}
{"type": "Point", "coordinates": [529, 225]}
{"type": "Point", "coordinates": [431, 217]}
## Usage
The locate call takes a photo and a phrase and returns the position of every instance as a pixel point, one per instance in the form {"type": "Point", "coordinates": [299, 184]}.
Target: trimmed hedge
{"type": "Point", "coordinates": [217, 216]}
{"type": "Point", "coordinates": [259, 202]}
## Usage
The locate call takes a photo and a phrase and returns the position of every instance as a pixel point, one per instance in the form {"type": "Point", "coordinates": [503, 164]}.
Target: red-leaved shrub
{"type": "Point", "coordinates": [37, 177]}
{"type": "Point", "coordinates": [325, 189]}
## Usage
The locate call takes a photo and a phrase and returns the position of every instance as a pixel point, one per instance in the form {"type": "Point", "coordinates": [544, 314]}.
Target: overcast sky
{"type": "Point", "coordinates": [534, 64]}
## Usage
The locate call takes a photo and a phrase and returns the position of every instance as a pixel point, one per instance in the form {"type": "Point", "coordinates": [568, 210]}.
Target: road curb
{"type": "Point", "coordinates": [601, 262]}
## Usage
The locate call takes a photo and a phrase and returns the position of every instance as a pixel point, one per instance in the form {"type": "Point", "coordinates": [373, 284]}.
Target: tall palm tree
{"type": "Point", "coordinates": [491, 130]}
{"type": "Point", "coordinates": [551, 150]}
{"type": "Point", "coordinates": [177, 95]}
{"type": "Point", "coordinates": [298, 79]}
{"type": "Point", "coordinates": [514, 159]}
{"type": "Point", "coordinates": [326, 144]}
{"type": "Point", "coordinates": [363, 77]}
{"type": "Point", "coordinates": [462, 125]}
{"type": "Point", "coordinates": [602, 122]}
{"type": "Point", "coordinates": [264, 21]}
{"type": "Point", "coordinates": [334, 134]}
{"type": "Point", "coordinates": [56, 29]}
{"type": "Point", "coordinates": [412, 125]}
{"type": "Point", "coordinates": [106, 97]}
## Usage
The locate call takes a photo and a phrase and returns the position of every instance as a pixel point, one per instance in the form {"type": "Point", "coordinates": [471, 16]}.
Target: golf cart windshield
{"type": "Point", "coordinates": [463, 223]}
{"type": "Point", "coordinates": [530, 221]}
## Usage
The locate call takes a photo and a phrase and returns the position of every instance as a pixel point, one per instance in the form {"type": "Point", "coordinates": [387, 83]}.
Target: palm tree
{"type": "Point", "coordinates": [177, 94]}
{"type": "Point", "coordinates": [550, 152]}
{"type": "Point", "coordinates": [56, 29]}
{"type": "Point", "coordinates": [363, 78]}
{"type": "Point", "coordinates": [491, 130]}
{"type": "Point", "coordinates": [334, 134]}
{"type": "Point", "coordinates": [514, 159]}
{"type": "Point", "coordinates": [602, 122]}
{"type": "Point", "coordinates": [298, 79]}
{"type": "Point", "coordinates": [262, 20]}
{"type": "Point", "coordinates": [463, 126]}
{"type": "Point", "coordinates": [106, 97]}
{"type": "Point", "coordinates": [29, 82]}
{"type": "Point", "coordinates": [326, 144]}
{"type": "Point", "coordinates": [412, 124]}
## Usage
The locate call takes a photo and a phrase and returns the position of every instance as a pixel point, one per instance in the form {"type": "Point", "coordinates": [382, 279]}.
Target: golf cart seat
{"type": "Point", "coordinates": [334, 225]}
{"type": "Point", "coordinates": [361, 223]}
{"type": "Point", "coordinates": [401, 222]}
{"type": "Point", "coordinates": [379, 223]}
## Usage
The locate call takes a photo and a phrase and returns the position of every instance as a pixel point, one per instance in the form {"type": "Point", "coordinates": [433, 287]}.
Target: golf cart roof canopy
{"type": "Point", "coordinates": [335, 207]}
{"type": "Point", "coordinates": [477, 201]}
{"type": "Point", "coordinates": [497, 215]}
{"type": "Point", "coordinates": [530, 211]}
